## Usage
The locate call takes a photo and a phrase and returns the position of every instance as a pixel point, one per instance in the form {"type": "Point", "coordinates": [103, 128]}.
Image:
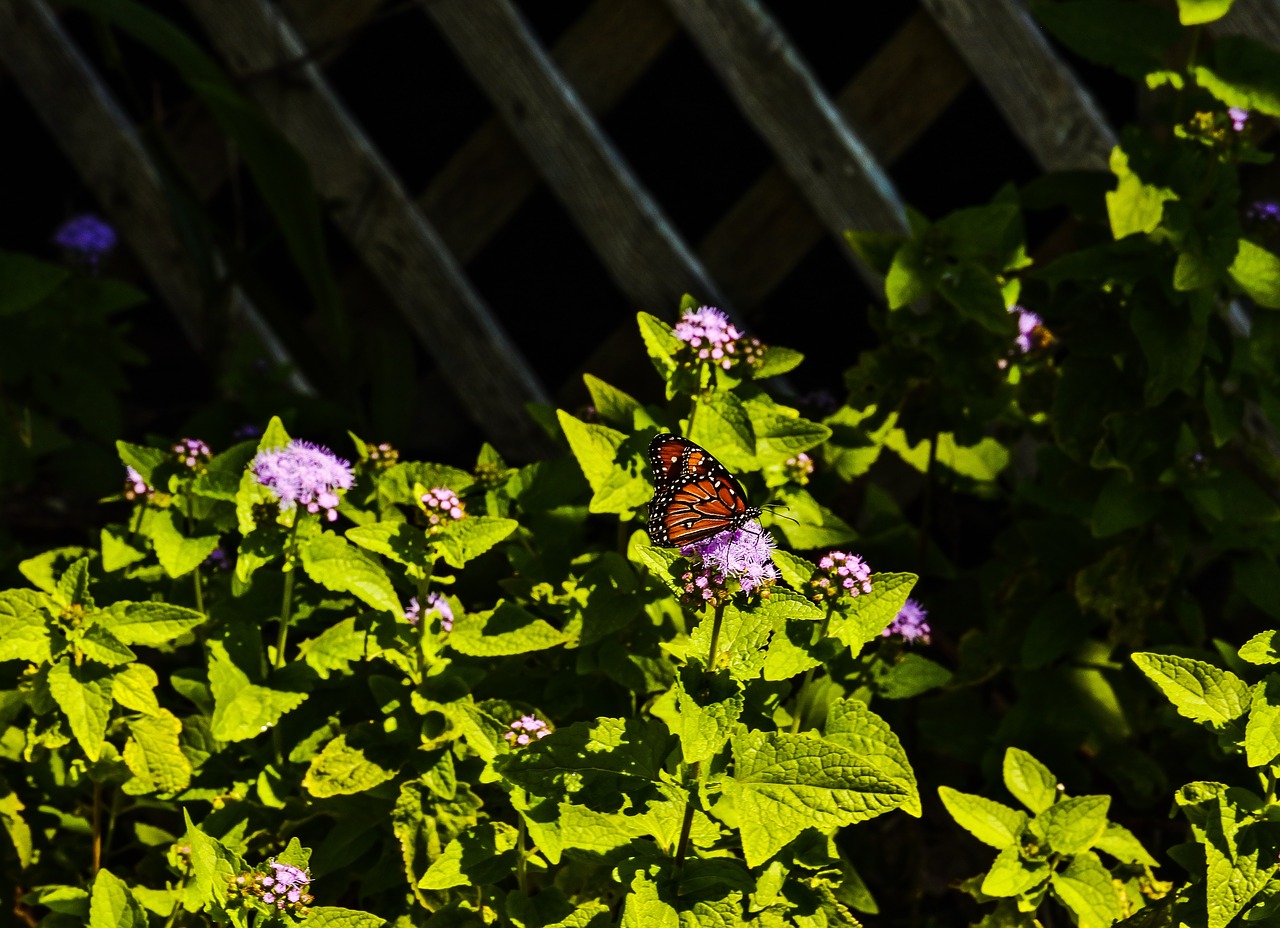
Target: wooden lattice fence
{"type": "Point", "coordinates": [831, 152]}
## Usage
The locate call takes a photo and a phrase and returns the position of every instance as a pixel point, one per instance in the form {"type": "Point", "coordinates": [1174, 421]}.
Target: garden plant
{"type": "Point", "coordinates": [986, 640]}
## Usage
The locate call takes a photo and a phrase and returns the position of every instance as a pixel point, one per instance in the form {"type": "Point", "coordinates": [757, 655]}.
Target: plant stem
{"type": "Point", "coordinates": [522, 877]}
{"type": "Point", "coordinates": [97, 828]}
{"type": "Point", "coordinates": [686, 826]}
{"type": "Point", "coordinates": [286, 607]}
{"type": "Point", "coordinates": [808, 674]}
{"type": "Point", "coordinates": [423, 631]}
{"type": "Point", "coordinates": [195, 574]}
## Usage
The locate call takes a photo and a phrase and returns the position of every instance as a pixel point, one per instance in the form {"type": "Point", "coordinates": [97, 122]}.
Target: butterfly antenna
{"type": "Point", "coordinates": [773, 511]}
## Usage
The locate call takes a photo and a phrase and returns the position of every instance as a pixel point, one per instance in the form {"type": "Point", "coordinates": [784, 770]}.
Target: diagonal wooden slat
{"type": "Point", "coordinates": [102, 143]}
{"type": "Point", "coordinates": [1258, 19]}
{"type": "Point", "coordinates": [890, 102]}
{"type": "Point", "coordinates": [643, 253]}
{"type": "Point", "coordinates": [1044, 104]}
{"type": "Point", "coordinates": [601, 56]}
{"type": "Point", "coordinates": [492, 380]}
{"type": "Point", "coordinates": [773, 86]}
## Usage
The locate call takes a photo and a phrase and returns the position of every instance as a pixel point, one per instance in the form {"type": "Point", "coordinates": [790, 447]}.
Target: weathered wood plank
{"type": "Point", "coordinates": [773, 86]}
{"type": "Point", "coordinates": [623, 224]}
{"type": "Point", "coordinates": [368, 203]}
{"type": "Point", "coordinates": [1258, 19]}
{"type": "Point", "coordinates": [1044, 104]}
{"type": "Point", "coordinates": [601, 56]}
{"type": "Point", "coordinates": [100, 140]}
{"type": "Point", "coordinates": [890, 102]}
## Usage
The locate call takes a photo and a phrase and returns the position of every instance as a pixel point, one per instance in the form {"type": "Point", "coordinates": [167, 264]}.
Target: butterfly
{"type": "Point", "coordinates": [694, 497]}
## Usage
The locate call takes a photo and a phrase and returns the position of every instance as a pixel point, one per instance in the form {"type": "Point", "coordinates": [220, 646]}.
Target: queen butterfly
{"type": "Point", "coordinates": [694, 497]}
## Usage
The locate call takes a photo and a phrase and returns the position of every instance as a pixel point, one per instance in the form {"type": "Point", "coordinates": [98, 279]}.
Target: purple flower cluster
{"type": "Point", "coordinates": [525, 729]}
{"type": "Point", "coordinates": [304, 474]}
{"type": "Point", "coordinates": [286, 888]}
{"type": "Point", "coordinates": [87, 238]}
{"type": "Point", "coordinates": [1031, 331]}
{"type": "Point", "coordinates": [442, 506]}
{"type": "Point", "coordinates": [799, 468]}
{"type": "Point", "coordinates": [840, 574]}
{"type": "Point", "coordinates": [1238, 118]}
{"type": "Point", "coordinates": [134, 485]}
{"type": "Point", "coordinates": [382, 455]}
{"type": "Point", "coordinates": [1265, 210]}
{"type": "Point", "coordinates": [744, 555]}
{"type": "Point", "coordinates": [219, 559]}
{"type": "Point", "coordinates": [192, 452]}
{"type": "Point", "coordinates": [714, 339]}
{"type": "Point", "coordinates": [435, 603]}
{"type": "Point", "coordinates": [910, 623]}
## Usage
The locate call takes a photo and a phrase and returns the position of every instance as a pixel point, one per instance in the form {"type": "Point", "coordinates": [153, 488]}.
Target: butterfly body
{"type": "Point", "coordinates": [695, 497]}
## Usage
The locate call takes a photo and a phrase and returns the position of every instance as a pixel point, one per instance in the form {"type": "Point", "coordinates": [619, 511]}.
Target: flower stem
{"type": "Point", "coordinates": [686, 826]}
{"type": "Point", "coordinates": [97, 828]}
{"type": "Point", "coordinates": [808, 674]}
{"type": "Point", "coordinates": [286, 607]}
{"type": "Point", "coordinates": [423, 626]}
{"type": "Point", "coordinates": [522, 876]}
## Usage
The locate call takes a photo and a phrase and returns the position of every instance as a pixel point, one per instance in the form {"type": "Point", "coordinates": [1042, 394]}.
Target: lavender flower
{"type": "Point", "coordinates": [86, 238]}
{"type": "Point", "coordinates": [382, 455]}
{"type": "Point", "coordinates": [286, 888]}
{"type": "Point", "coordinates": [1265, 210]}
{"type": "Point", "coordinates": [435, 603]}
{"type": "Point", "coordinates": [442, 506]}
{"type": "Point", "coordinates": [715, 340]}
{"type": "Point", "coordinates": [192, 452]}
{"type": "Point", "coordinates": [525, 729]}
{"type": "Point", "coordinates": [219, 559]}
{"type": "Point", "coordinates": [304, 474]}
{"type": "Point", "coordinates": [840, 574]}
{"type": "Point", "coordinates": [1031, 331]}
{"type": "Point", "coordinates": [799, 468]}
{"type": "Point", "coordinates": [744, 554]}
{"type": "Point", "coordinates": [248, 430]}
{"type": "Point", "coordinates": [134, 485]}
{"type": "Point", "coordinates": [1238, 117]}
{"type": "Point", "coordinates": [910, 623]}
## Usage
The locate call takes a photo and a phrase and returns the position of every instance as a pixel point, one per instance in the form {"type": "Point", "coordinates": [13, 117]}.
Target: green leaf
{"type": "Point", "coordinates": [1257, 272]}
{"type": "Point", "coordinates": [1130, 37]}
{"type": "Point", "coordinates": [1197, 12]}
{"type": "Point", "coordinates": [1245, 73]}
{"type": "Point", "coordinates": [594, 446]}
{"type": "Point", "coordinates": [212, 865]}
{"type": "Point", "coordinates": [784, 783]}
{"type": "Point", "coordinates": [84, 696]}
{"type": "Point", "coordinates": [331, 561]}
{"type": "Point", "coordinates": [1084, 886]}
{"type": "Point", "coordinates": [27, 282]}
{"type": "Point", "coordinates": [243, 709]}
{"type": "Point", "coordinates": [912, 675]}
{"type": "Point", "coordinates": [73, 586]}
{"type": "Point", "coordinates": [1134, 207]}
{"type": "Point", "coordinates": [1260, 649]}
{"type": "Point", "coordinates": [1074, 825]}
{"type": "Point", "coordinates": [1122, 505]}
{"type": "Point", "coordinates": [1010, 875]}
{"type": "Point", "coordinates": [741, 645]}
{"type": "Point", "coordinates": [112, 906]}
{"type": "Point", "coordinates": [705, 719]}
{"type": "Point", "coordinates": [505, 629]}
{"type": "Point", "coordinates": [152, 624]}
{"type": "Point", "coordinates": [118, 550]}
{"type": "Point", "coordinates": [403, 543]}
{"type": "Point", "coordinates": [100, 645]}
{"type": "Point", "coordinates": [141, 458]}
{"type": "Point", "coordinates": [468, 538]}
{"type": "Point", "coordinates": [907, 281]}
{"type": "Point", "coordinates": [342, 769]}
{"type": "Point", "coordinates": [178, 554]}
{"type": "Point", "coordinates": [1262, 732]}
{"type": "Point", "coordinates": [1120, 843]}
{"type": "Point", "coordinates": [867, 616]}
{"type": "Point", "coordinates": [24, 628]}
{"type": "Point", "coordinates": [481, 855]}
{"type": "Point", "coordinates": [591, 763]}
{"type": "Point", "coordinates": [332, 916]}
{"type": "Point", "coordinates": [154, 756]}
{"type": "Point", "coordinates": [660, 343]}
{"type": "Point", "coordinates": [644, 908]}
{"type": "Point", "coordinates": [776, 360]}
{"type": "Point", "coordinates": [1030, 781]}
{"type": "Point", "coordinates": [615, 406]}
{"type": "Point", "coordinates": [852, 724]}
{"type": "Point", "coordinates": [1199, 691]}
{"type": "Point", "coordinates": [16, 828]}
{"type": "Point", "coordinates": [989, 821]}
{"type": "Point", "coordinates": [134, 687]}
{"type": "Point", "coordinates": [722, 425]}
{"type": "Point", "coordinates": [337, 647]}
{"type": "Point", "coordinates": [975, 292]}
